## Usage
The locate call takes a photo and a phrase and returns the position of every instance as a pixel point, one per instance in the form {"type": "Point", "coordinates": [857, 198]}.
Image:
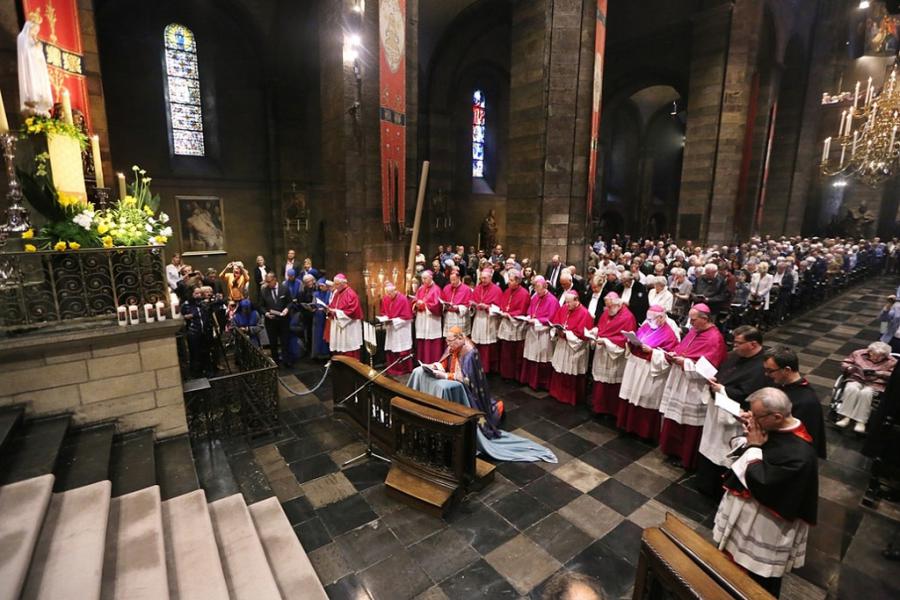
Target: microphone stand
{"type": "Point", "coordinates": [370, 452]}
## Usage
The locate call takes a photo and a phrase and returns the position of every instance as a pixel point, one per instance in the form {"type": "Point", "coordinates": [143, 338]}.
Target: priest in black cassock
{"type": "Point", "coordinates": [739, 375]}
{"type": "Point", "coordinates": [782, 367]}
{"type": "Point", "coordinates": [772, 492]}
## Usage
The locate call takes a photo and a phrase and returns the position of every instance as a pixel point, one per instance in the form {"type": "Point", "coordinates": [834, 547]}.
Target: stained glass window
{"type": "Point", "coordinates": [478, 124]}
{"type": "Point", "coordinates": [183, 84]}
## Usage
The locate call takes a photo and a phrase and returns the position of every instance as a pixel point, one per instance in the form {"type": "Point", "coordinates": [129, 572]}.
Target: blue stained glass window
{"type": "Point", "coordinates": [183, 85]}
{"type": "Point", "coordinates": [478, 125]}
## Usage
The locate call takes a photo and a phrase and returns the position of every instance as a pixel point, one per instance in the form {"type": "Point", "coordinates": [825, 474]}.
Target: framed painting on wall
{"type": "Point", "coordinates": [201, 221]}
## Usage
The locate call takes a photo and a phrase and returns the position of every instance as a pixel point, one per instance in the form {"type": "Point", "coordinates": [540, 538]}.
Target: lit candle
{"type": "Point", "coordinates": [98, 166]}
{"type": "Point", "coordinates": [843, 151]}
{"type": "Point", "coordinates": [855, 140]}
{"type": "Point", "coordinates": [869, 91]}
{"type": "Point", "coordinates": [849, 124]}
{"type": "Point", "coordinates": [149, 315]}
{"type": "Point", "coordinates": [121, 178]}
{"type": "Point", "coordinates": [825, 148]}
{"type": "Point", "coordinates": [67, 107]}
{"type": "Point", "coordinates": [160, 311]}
{"type": "Point", "coordinates": [856, 96]}
{"type": "Point", "coordinates": [122, 316]}
{"type": "Point", "coordinates": [893, 137]}
{"type": "Point", "coordinates": [133, 314]}
{"type": "Point", "coordinates": [840, 127]}
{"type": "Point", "coordinates": [4, 124]}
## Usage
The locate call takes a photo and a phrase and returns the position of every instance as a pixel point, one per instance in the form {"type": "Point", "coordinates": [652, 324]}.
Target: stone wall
{"type": "Point", "coordinates": [128, 375]}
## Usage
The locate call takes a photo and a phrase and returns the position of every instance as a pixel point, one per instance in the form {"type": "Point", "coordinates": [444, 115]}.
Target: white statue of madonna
{"type": "Point", "coordinates": [35, 94]}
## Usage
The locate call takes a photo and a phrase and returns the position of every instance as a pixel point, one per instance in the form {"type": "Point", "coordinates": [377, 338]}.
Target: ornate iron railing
{"type": "Point", "coordinates": [90, 284]}
{"type": "Point", "coordinates": [241, 403]}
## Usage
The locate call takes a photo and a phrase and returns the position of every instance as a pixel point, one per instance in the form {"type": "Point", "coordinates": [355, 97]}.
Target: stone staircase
{"type": "Point", "coordinates": [86, 513]}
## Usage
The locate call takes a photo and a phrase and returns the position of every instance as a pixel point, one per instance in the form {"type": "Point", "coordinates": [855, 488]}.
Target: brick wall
{"type": "Point", "coordinates": [135, 383]}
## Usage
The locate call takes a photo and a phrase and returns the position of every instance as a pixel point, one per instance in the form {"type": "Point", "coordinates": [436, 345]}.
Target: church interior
{"type": "Point", "coordinates": [439, 299]}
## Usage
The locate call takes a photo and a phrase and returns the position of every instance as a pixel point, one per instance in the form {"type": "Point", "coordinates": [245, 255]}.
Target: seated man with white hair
{"type": "Point", "coordinates": [867, 372]}
{"type": "Point", "coordinates": [659, 295]}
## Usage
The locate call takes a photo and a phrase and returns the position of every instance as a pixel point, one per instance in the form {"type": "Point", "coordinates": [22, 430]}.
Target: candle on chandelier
{"type": "Point", "coordinates": [841, 126]}
{"type": "Point", "coordinates": [825, 148]}
{"type": "Point", "coordinates": [843, 152]}
{"type": "Point", "coordinates": [855, 140]}
{"type": "Point", "coordinates": [869, 91]}
{"type": "Point", "coordinates": [98, 166]}
{"type": "Point", "coordinates": [856, 96]}
{"type": "Point", "coordinates": [849, 124]}
{"type": "Point", "coordinates": [67, 107]}
{"type": "Point", "coordinates": [893, 137]}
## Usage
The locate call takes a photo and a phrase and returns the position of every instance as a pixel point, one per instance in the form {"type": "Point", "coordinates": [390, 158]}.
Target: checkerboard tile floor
{"type": "Point", "coordinates": [584, 514]}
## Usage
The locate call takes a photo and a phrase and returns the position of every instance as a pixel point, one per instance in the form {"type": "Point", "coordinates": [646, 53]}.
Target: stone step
{"type": "Point", "coordinates": [134, 566]}
{"type": "Point", "coordinates": [294, 573]}
{"type": "Point", "coordinates": [175, 470]}
{"type": "Point", "coordinates": [213, 470]}
{"type": "Point", "coordinates": [10, 417]}
{"type": "Point", "coordinates": [246, 568]}
{"type": "Point", "coordinates": [193, 567]}
{"type": "Point", "coordinates": [68, 558]}
{"type": "Point", "coordinates": [33, 450]}
{"type": "Point", "coordinates": [84, 457]}
{"type": "Point", "coordinates": [22, 507]}
{"type": "Point", "coordinates": [132, 463]}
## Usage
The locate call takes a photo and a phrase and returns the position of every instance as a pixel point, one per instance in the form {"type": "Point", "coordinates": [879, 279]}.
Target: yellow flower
{"type": "Point", "coordinates": [29, 120]}
{"type": "Point", "coordinates": [102, 228]}
{"type": "Point", "coordinates": [27, 235]}
{"type": "Point", "coordinates": [129, 201]}
{"type": "Point", "coordinates": [161, 239]}
{"type": "Point", "coordinates": [148, 211]}
{"type": "Point", "coordinates": [74, 245]}
{"type": "Point", "coordinates": [107, 241]}
{"type": "Point", "coordinates": [30, 248]}
{"type": "Point", "coordinates": [59, 246]}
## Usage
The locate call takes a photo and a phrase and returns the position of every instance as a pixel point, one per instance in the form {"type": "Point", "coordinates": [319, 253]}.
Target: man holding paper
{"type": "Point", "coordinates": [536, 368]}
{"type": "Point", "coordinates": [397, 316]}
{"type": "Point", "coordinates": [346, 316]}
{"type": "Point", "coordinates": [740, 375]}
{"type": "Point", "coordinates": [609, 355]}
{"type": "Point", "coordinates": [455, 299]}
{"type": "Point", "coordinates": [646, 370]}
{"type": "Point", "coordinates": [570, 352]}
{"type": "Point", "coordinates": [683, 406]}
{"type": "Point", "coordinates": [429, 338]}
{"type": "Point", "coordinates": [485, 325]}
{"type": "Point", "coordinates": [511, 332]}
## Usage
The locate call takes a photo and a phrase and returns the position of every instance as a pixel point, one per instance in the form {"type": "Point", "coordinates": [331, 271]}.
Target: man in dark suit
{"type": "Point", "coordinates": [554, 270]}
{"type": "Point", "coordinates": [593, 298]}
{"type": "Point", "coordinates": [275, 301]}
{"type": "Point", "coordinates": [610, 283]}
{"type": "Point", "coordinates": [634, 295]}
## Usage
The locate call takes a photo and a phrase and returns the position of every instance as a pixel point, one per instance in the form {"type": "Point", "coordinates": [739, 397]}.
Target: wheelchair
{"type": "Point", "coordinates": [837, 391]}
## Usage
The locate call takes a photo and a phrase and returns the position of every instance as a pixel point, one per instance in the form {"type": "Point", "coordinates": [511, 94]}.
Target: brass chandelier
{"type": "Point", "coordinates": [866, 146]}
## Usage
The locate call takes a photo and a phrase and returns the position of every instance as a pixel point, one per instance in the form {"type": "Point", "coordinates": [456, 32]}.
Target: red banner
{"type": "Point", "coordinates": [392, 110]}
{"type": "Point", "coordinates": [60, 33]}
{"type": "Point", "coordinates": [599, 49]}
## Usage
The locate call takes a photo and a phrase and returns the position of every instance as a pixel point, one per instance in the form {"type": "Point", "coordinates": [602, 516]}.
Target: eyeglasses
{"type": "Point", "coordinates": [770, 371]}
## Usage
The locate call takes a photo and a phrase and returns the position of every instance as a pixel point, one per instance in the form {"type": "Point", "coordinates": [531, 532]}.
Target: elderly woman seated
{"type": "Point", "coordinates": [867, 372]}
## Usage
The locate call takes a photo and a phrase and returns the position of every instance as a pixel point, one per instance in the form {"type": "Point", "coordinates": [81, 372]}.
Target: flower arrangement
{"type": "Point", "coordinates": [38, 124]}
{"type": "Point", "coordinates": [74, 223]}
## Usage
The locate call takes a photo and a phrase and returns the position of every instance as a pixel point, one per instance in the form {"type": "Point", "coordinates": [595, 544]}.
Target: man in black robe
{"type": "Point", "coordinates": [740, 375]}
{"type": "Point", "coordinates": [772, 492]}
{"type": "Point", "coordinates": [782, 367]}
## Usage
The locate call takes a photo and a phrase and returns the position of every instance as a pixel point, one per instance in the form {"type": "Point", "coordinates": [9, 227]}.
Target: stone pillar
{"type": "Point", "coordinates": [550, 111]}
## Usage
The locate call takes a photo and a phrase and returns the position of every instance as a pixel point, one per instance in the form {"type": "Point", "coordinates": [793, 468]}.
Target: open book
{"type": "Point", "coordinates": [704, 368]}
{"type": "Point", "coordinates": [430, 369]}
{"type": "Point", "coordinates": [495, 310]}
{"type": "Point", "coordinates": [321, 303]}
{"type": "Point", "coordinates": [382, 318]}
{"type": "Point", "coordinates": [631, 337]}
{"type": "Point", "coordinates": [728, 405]}
{"type": "Point", "coordinates": [589, 334]}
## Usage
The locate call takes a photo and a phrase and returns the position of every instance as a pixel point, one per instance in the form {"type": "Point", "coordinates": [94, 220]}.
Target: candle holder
{"type": "Point", "coordinates": [101, 197]}
{"type": "Point", "coordinates": [16, 214]}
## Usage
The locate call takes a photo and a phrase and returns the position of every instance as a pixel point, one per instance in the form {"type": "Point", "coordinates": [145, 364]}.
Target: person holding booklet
{"type": "Point", "coordinates": [427, 307]}
{"type": "Point", "coordinates": [485, 324]}
{"type": "Point", "coordinates": [345, 314]}
{"type": "Point", "coordinates": [536, 368]}
{"type": "Point", "coordinates": [740, 375]}
{"type": "Point", "coordinates": [609, 355]}
{"type": "Point", "coordinates": [511, 331]}
{"type": "Point", "coordinates": [570, 352]}
{"type": "Point", "coordinates": [396, 314]}
{"type": "Point", "coordinates": [684, 401]}
{"type": "Point", "coordinates": [646, 371]}
{"type": "Point", "coordinates": [455, 299]}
